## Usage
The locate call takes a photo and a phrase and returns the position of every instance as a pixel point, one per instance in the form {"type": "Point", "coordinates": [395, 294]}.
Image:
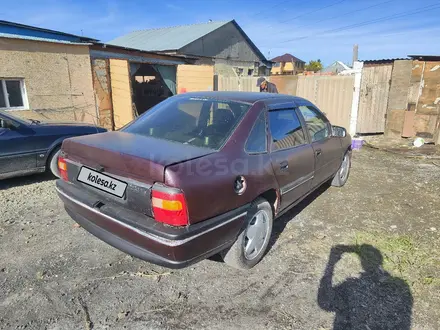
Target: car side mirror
{"type": "Point", "coordinates": [339, 131]}
{"type": "Point", "coordinates": [6, 124]}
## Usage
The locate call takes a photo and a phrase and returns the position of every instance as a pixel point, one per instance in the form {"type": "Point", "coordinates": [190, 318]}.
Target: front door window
{"type": "Point", "coordinates": [286, 129]}
{"type": "Point", "coordinates": [317, 124]}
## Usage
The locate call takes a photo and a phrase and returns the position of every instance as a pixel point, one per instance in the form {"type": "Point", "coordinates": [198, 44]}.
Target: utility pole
{"type": "Point", "coordinates": [355, 54]}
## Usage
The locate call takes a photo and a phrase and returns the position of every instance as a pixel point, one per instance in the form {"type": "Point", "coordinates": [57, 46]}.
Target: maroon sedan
{"type": "Point", "coordinates": [201, 174]}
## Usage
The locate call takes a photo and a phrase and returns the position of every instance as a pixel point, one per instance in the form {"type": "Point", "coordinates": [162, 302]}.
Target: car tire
{"type": "Point", "coordinates": [343, 173]}
{"type": "Point", "coordinates": [244, 254]}
{"type": "Point", "coordinates": [52, 161]}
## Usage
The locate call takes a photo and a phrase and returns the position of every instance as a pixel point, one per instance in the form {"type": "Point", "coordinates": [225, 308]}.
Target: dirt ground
{"type": "Point", "coordinates": [321, 272]}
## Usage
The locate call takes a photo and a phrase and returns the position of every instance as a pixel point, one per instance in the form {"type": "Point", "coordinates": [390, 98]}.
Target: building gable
{"type": "Point", "coordinates": [227, 42]}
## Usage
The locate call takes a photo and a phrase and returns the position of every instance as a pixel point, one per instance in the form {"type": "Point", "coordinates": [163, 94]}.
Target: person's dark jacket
{"type": "Point", "coordinates": [271, 88]}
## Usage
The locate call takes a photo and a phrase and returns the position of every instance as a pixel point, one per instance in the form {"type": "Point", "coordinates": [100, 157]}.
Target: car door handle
{"type": "Point", "coordinates": [318, 152]}
{"type": "Point", "coordinates": [284, 165]}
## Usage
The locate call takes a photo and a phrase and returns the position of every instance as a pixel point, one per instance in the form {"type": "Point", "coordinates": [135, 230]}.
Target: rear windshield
{"type": "Point", "coordinates": [199, 122]}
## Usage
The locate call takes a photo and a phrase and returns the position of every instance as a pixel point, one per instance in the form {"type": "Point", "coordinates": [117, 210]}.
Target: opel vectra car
{"type": "Point", "coordinates": [201, 174]}
{"type": "Point", "coordinates": [31, 146]}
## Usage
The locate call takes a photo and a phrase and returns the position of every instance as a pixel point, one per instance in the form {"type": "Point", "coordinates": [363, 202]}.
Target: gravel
{"type": "Point", "coordinates": [54, 275]}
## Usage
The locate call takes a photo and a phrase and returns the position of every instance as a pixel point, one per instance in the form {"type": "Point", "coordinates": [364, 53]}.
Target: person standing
{"type": "Point", "coordinates": [266, 86]}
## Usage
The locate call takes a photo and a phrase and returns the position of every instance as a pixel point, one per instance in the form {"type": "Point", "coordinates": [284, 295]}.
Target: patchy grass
{"type": "Point", "coordinates": [415, 259]}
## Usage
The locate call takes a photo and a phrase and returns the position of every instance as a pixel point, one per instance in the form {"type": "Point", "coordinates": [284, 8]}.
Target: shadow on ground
{"type": "Point", "coordinates": [280, 223]}
{"type": "Point", "coordinates": [25, 180]}
{"type": "Point", "coordinates": [374, 300]}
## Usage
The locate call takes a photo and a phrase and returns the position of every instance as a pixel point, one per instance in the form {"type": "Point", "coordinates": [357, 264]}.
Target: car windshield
{"type": "Point", "coordinates": [7, 115]}
{"type": "Point", "coordinates": [200, 122]}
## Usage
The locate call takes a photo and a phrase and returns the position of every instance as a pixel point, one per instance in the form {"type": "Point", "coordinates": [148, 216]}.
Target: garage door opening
{"type": "Point", "coordinates": [151, 84]}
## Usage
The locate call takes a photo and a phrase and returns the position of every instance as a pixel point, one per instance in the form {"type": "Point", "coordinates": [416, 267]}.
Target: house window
{"type": "Point", "coordinates": [277, 65]}
{"type": "Point", "coordinates": [250, 72]}
{"type": "Point", "coordinates": [239, 71]}
{"type": "Point", "coordinates": [13, 94]}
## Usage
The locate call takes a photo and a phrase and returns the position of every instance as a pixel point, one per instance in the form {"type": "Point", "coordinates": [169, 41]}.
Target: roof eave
{"type": "Point", "coordinates": [425, 57]}
{"type": "Point", "coordinates": [104, 45]}
{"type": "Point", "coordinates": [35, 28]}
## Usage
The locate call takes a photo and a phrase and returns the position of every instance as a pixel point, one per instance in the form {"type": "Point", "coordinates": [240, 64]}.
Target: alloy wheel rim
{"type": "Point", "coordinates": [256, 235]}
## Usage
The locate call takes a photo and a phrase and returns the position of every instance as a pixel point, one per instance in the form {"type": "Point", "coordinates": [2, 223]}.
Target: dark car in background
{"type": "Point", "coordinates": [201, 174]}
{"type": "Point", "coordinates": [31, 146]}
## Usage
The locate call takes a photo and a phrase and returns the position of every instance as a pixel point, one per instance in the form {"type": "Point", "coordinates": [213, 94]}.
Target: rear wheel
{"type": "Point", "coordinates": [52, 162]}
{"type": "Point", "coordinates": [341, 176]}
{"type": "Point", "coordinates": [251, 244]}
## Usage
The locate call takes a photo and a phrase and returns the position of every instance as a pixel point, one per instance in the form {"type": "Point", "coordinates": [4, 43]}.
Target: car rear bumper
{"type": "Point", "coordinates": [152, 241]}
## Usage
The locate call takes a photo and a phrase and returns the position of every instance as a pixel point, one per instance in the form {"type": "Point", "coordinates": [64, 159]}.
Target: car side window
{"type": "Point", "coordinates": [286, 129]}
{"type": "Point", "coordinates": [257, 140]}
{"type": "Point", "coordinates": [317, 124]}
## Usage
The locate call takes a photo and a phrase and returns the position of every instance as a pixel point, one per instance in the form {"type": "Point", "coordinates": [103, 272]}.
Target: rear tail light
{"type": "Point", "coordinates": [62, 168]}
{"type": "Point", "coordinates": [169, 206]}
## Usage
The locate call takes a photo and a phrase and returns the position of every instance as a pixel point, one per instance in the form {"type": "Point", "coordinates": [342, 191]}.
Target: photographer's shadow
{"type": "Point", "coordinates": [375, 300]}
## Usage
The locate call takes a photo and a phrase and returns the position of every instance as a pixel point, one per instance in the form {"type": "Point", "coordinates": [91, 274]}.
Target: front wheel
{"type": "Point", "coordinates": [251, 244]}
{"type": "Point", "coordinates": [342, 174]}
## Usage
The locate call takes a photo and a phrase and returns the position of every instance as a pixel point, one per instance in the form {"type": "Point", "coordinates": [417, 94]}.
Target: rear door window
{"type": "Point", "coordinates": [257, 140]}
{"type": "Point", "coordinates": [317, 124]}
{"type": "Point", "coordinates": [285, 129]}
{"type": "Point", "coordinates": [200, 122]}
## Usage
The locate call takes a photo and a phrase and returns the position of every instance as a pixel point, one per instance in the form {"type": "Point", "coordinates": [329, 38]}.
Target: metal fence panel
{"type": "Point", "coordinates": [332, 95]}
{"type": "Point", "coordinates": [242, 84]}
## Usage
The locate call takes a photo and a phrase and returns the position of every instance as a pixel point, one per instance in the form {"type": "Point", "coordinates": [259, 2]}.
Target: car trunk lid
{"type": "Point", "coordinates": [137, 160]}
{"type": "Point", "coordinates": [132, 156]}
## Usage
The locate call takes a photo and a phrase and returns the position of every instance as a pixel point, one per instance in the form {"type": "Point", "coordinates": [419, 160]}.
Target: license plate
{"type": "Point", "coordinates": [102, 182]}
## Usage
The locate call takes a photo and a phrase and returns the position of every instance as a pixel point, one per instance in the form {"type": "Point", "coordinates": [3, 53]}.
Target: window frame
{"type": "Point", "coordinates": [327, 122]}
{"type": "Point", "coordinates": [24, 97]}
{"type": "Point", "coordinates": [294, 108]}
{"type": "Point", "coordinates": [265, 116]}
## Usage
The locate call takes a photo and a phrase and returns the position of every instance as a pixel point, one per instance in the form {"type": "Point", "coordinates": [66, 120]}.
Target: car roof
{"type": "Point", "coordinates": [247, 97]}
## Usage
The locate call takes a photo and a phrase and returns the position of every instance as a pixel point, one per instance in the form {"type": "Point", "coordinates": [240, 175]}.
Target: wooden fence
{"type": "Point", "coordinates": [374, 92]}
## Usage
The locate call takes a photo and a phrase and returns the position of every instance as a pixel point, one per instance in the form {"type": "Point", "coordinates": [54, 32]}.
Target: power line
{"type": "Point", "coordinates": [312, 11]}
{"type": "Point", "coordinates": [381, 19]}
{"type": "Point", "coordinates": [273, 6]}
{"type": "Point", "coordinates": [268, 10]}
{"type": "Point", "coordinates": [348, 13]}
{"type": "Point", "coordinates": [298, 16]}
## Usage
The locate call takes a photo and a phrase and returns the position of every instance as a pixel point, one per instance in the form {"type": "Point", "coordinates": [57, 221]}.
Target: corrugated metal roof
{"type": "Point", "coordinates": [383, 60]}
{"type": "Point", "coordinates": [35, 28]}
{"type": "Point", "coordinates": [17, 36]}
{"type": "Point", "coordinates": [169, 38]}
{"type": "Point", "coordinates": [425, 57]}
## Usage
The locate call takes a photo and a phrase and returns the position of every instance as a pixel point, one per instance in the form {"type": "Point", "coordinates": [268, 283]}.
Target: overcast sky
{"type": "Point", "coordinates": [324, 29]}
